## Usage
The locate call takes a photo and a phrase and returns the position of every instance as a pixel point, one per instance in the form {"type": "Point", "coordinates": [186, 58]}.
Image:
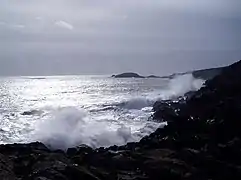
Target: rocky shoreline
{"type": "Point", "coordinates": [201, 141]}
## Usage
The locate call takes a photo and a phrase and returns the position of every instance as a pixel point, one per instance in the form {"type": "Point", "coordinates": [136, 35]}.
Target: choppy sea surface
{"type": "Point", "coordinates": [66, 111]}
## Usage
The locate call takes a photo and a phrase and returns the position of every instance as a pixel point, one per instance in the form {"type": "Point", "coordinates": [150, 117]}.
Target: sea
{"type": "Point", "coordinates": [99, 111]}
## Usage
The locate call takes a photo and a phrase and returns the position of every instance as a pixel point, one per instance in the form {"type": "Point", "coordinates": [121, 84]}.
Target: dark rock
{"type": "Point", "coordinates": [209, 122]}
{"type": "Point", "coordinates": [207, 74]}
{"type": "Point", "coordinates": [75, 172]}
{"type": "Point", "coordinates": [113, 148]}
{"type": "Point", "coordinates": [32, 112]}
{"type": "Point", "coordinates": [6, 168]}
{"type": "Point", "coordinates": [166, 110]}
{"type": "Point", "coordinates": [153, 76]}
{"type": "Point", "coordinates": [79, 150]}
{"type": "Point", "coordinates": [23, 148]}
{"type": "Point", "coordinates": [189, 95]}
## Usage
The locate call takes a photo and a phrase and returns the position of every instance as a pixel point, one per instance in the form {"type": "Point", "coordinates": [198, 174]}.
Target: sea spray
{"type": "Point", "coordinates": [180, 85]}
{"type": "Point", "coordinates": [70, 127]}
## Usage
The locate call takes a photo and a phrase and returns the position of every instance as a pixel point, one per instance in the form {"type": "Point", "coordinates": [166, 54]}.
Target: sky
{"type": "Point", "coordinates": [60, 37]}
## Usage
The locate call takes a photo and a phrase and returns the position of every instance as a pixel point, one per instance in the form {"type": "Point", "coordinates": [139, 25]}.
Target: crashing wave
{"type": "Point", "coordinates": [177, 87]}
{"type": "Point", "coordinates": [180, 85]}
{"type": "Point", "coordinates": [69, 127]}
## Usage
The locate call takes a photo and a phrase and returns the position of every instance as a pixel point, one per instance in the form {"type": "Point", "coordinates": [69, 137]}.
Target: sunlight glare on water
{"type": "Point", "coordinates": [66, 111]}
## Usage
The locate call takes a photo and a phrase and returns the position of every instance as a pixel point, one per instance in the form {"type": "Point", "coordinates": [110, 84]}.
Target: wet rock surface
{"type": "Point", "coordinates": [201, 141]}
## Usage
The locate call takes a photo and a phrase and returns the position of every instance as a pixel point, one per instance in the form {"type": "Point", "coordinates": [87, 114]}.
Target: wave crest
{"type": "Point", "coordinates": [136, 103]}
{"type": "Point", "coordinates": [71, 127]}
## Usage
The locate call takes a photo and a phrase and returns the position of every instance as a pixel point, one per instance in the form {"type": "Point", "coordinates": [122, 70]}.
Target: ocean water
{"type": "Point", "coordinates": [66, 111]}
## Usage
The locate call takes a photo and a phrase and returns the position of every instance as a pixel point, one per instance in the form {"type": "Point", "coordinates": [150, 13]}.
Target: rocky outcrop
{"type": "Point", "coordinates": [207, 74]}
{"type": "Point", "coordinates": [209, 123]}
{"type": "Point", "coordinates": [201, 141]}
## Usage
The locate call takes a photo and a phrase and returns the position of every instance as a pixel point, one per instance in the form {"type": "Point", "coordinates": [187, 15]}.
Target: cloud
{"type": "Point", "coordinates": [125, 17]}
{"type": "Point", "coordinates": [39, 18]}
{"type": "Point", "coordinates": [18, 26]}
{"type": "Point", "coordinates": [64, 25]}
{"type": "Point", "coordinates": [2, 23]}
{"type": "Point", "coordinates": [107, 36]}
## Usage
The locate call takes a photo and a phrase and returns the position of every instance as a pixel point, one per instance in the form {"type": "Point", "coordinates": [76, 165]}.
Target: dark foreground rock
{"type": "Point", "coordinates": [202, 141]}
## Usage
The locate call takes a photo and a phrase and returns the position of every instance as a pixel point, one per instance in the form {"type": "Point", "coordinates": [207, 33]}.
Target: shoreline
{"type": "Point", "coordinates": [201, 141]}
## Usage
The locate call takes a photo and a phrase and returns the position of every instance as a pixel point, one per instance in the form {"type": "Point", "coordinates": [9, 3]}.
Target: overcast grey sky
{"type": "Point", "coordinates": [48, 37]}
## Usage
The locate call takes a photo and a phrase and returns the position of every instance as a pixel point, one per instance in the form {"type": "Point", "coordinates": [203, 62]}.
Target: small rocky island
{"type": "Point", "coordinates": [128, 75]}
{"type": "Point", "coordinates": [202, 141]}
{"type": "Point", "coordinates": [133, 75]}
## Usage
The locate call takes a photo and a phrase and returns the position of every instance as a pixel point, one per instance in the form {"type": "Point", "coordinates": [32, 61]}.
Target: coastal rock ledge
{"type": "Point", "coordinates": [202, 141]}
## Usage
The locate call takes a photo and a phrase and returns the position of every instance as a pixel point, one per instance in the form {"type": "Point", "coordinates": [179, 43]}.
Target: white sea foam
{"type": "Point", "coordinates": [175, 88]}
{"type": "Point", "coordinates": [181, 85]}
{"type": "Point", "coordinates": [137, 103]}
{"type": "Point", "coordinates": [71, 127]}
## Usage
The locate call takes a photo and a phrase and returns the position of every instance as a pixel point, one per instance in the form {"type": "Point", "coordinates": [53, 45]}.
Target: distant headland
{"type": "Point", "coordinates": [201, 74]}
